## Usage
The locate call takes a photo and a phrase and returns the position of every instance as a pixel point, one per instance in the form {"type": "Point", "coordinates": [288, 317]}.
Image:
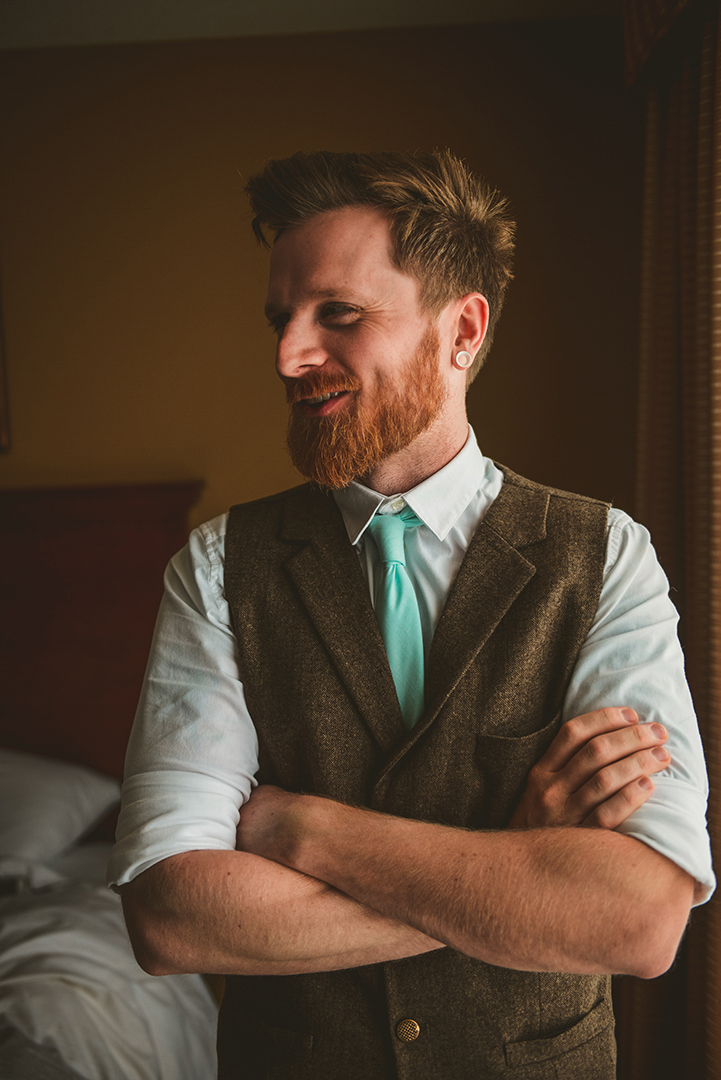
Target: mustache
{"type": "Point", "coordinates": [318, 382]}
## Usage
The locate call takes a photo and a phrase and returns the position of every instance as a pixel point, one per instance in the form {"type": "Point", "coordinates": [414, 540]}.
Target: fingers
{"type": "Point", "coordinates": [576, 733]}
{"type": "Point", "coordinates": [625, 750]}
{"type": "Point", "coordinates": [614, 811]}
{"type": "Point", "coordinates": [619, 788]}
{"type": "Point", "coordinates": [597, 760]}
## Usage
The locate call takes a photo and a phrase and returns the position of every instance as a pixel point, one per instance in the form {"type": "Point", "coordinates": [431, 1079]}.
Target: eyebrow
{"type": "Point", "coordinates": [318, 294]}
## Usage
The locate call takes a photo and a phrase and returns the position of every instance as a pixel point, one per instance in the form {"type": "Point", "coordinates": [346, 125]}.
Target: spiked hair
{"type": "Point", "coordinates": [448, 228]}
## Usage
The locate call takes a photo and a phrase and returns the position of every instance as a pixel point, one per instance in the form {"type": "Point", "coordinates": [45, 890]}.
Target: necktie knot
{"type": "Point", "coordinates": [388, 531]}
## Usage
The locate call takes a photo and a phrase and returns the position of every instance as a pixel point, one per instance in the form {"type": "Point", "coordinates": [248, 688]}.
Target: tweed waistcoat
{"type": "Point", "coordinates": [322, 698]}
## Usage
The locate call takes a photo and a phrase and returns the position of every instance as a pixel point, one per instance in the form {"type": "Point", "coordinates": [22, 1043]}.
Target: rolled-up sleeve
{"type": "Point", "coordinates": [632, 657]}
{"type": "Point", "coordinates": [193, 751]}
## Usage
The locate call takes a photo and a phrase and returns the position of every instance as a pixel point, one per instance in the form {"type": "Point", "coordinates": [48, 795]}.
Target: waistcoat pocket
{"type": "Point", "coordinates": [598, 1022]}
{"type": "Point", "coordinates": [504, 763]}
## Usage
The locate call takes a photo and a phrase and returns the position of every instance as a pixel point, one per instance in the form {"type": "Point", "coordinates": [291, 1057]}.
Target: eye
{"type": "Point", "coordinates": [277, 323]}
{"type": "Point", "coordinates": [339, 314]}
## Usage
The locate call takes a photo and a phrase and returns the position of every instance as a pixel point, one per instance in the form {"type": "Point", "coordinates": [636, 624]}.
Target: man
{"type": "Point", "coordinates": [437, 870]}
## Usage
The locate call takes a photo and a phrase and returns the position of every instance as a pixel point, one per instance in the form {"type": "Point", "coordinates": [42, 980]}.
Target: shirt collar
{"type": "Point", "coordinates": [438, 501]}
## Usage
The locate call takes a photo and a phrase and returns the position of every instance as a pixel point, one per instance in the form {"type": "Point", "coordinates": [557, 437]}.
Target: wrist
{"type": "Point", "coordinates": [312, 821]}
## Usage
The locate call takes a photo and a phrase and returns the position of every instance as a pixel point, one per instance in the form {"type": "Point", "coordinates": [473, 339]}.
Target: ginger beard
{"type": "Point", "coordinates": [334, 450]}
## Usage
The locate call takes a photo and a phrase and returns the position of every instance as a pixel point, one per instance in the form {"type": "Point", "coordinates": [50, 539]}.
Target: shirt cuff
{"type": "Point", "coordinates": [672, 822]}
{"type": "Point", "coordinates": [155, 821]}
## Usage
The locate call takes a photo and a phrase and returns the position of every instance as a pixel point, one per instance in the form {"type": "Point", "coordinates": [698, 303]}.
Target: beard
{"type": "Point", "coordinates": [334, 450]}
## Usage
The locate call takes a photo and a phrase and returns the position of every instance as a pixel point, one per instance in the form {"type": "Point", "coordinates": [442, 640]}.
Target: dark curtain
{"type": "Point", "coordinates": [671, 1027]}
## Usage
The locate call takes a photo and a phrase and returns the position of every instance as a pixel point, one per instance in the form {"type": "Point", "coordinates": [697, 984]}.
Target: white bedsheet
{"type": "Point", "coordinates": [68, 979]}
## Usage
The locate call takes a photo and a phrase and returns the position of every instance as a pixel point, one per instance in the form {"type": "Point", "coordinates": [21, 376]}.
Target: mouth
{"type": "Point", "coordinates": [315, 402]}
{"type": "Point", "coordinates": [322, 404]}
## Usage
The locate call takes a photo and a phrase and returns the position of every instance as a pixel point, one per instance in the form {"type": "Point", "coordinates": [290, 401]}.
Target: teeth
{"type": "Point", "coordinates": [322, 397]}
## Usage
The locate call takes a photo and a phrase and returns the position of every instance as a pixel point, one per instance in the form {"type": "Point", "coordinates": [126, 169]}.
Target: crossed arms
{"type": "Point", "coordinates": [316, 885]}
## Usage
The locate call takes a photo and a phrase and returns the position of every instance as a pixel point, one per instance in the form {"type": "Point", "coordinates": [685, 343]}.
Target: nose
{"type": "Point", "coordinates": [299, 349]}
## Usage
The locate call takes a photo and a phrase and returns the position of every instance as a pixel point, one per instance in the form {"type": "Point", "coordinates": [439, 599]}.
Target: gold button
{"type": "Point", "coordinates": [408, 1030]}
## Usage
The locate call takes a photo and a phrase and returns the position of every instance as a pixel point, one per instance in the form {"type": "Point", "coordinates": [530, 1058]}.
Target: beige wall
{"type": "Point", "coordinates": [132, 292]}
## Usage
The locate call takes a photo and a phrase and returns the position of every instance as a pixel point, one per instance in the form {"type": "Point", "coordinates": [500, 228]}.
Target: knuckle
{"type": "Point", "coordinates": [547, 799]}
{"type": "Point", "coordinates": [627, 796]}
{"type": "Point", "coordinates": [536, 777]}
{"type": "Point", "coordinates": [603, 783]}
{"type": "Point", "coordinates": [645, 761]}
{"type": "Point", "coordinates": [572, 730]}
{"type": "Point", "coordinates": [604, 818]}
{"type": "Point", "coordinates": [640, 733]}
{"type": "Point", "coordinates": [597, 748]}
{"type": "Point", "coordinates": [600, 818]}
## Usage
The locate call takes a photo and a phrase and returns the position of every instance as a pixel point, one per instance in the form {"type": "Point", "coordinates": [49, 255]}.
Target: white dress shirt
{"type": "Point", "coordinates": [193, 751]}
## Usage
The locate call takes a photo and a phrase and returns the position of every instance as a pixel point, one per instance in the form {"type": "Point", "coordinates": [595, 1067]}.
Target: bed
{"type": "Point", "coordinates": [79, 586]}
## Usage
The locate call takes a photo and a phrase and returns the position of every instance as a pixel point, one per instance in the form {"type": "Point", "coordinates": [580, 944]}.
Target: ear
{"type": "Point", "coordinates": [472, 322]}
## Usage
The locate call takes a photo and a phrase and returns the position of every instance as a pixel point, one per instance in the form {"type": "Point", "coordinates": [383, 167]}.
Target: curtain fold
{"type": "Point", "coordinates": [645, 23]}
{"type": "Point", "coordinates": [672, 1027]}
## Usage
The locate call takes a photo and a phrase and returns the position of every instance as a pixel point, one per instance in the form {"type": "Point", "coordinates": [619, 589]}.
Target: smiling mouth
{"type": "Point", "coordinates": [321, 399]}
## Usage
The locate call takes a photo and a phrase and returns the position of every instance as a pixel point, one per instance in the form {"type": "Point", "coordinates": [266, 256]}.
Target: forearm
{"type": "Point", "coordinates": [230, 912]}
{"type": "Point", "coordinates": [574, 900]}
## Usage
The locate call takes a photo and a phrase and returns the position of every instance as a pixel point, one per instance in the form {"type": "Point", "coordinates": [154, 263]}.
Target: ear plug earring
{"type": "Point", "coordinates": [463, 359]}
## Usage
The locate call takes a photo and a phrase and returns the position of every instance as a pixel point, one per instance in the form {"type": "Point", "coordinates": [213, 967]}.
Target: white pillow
{"type": "Point", "coordinates": [46, 805]}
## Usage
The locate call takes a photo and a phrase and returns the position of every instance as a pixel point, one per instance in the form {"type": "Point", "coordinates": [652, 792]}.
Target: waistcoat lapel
{"type": "Point", "coordinates": [327, 575]}
{"type": "Point", "coordinates": [492, 576]}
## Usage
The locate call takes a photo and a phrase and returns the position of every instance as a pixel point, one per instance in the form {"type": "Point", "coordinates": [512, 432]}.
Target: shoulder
{"type": "Point", "coordinates": [270, 505]}
{"type": "Point", "coordinates": [302, 491]}
{"type": "Point", "coordinates": [208, 539]}
{"type": "Point", "coordinates": [625, 537]}
{"type": "Point", "coordinates": [195, 575]}
{"type": "Point", "coordinates": [532, 486]}
{"type": "Point", "coordinates": [526, 512]}
{"type": "Point", "coordinates": [625, 533]}
{"type": "Point", "coordinates": [296, 515]}
{"type": "Point", "coordinates": [630, 554]}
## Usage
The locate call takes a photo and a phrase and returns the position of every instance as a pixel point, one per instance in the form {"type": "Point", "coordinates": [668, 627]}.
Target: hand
{"type": "Point", "coordinates": [269, 823]}
{"type": "Point", "coordinates": [596, 772]}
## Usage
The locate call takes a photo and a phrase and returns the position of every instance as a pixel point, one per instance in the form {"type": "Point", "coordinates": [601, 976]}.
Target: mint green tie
{"type": "Point", "coordinates": [397, 612]}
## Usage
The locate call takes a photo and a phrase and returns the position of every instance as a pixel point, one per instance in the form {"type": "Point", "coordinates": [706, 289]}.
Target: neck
{"type": "Point", "coordinates": [428, 453]}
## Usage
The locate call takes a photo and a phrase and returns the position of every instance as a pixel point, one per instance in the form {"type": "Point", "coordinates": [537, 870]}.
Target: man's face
{"type": "Point", "coordinates": [350, 325]}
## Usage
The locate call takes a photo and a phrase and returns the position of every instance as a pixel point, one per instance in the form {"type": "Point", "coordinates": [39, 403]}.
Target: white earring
{"type": "Point", "coordinates": [463, 359]}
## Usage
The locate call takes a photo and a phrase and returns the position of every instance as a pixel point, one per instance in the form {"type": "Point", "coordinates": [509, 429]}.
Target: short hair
{"type": "Point", "coordinates": [449, 230]}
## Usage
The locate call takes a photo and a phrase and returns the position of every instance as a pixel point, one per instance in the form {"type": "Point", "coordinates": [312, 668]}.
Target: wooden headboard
{"type": "Point", "coordinates": [80, 581]}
